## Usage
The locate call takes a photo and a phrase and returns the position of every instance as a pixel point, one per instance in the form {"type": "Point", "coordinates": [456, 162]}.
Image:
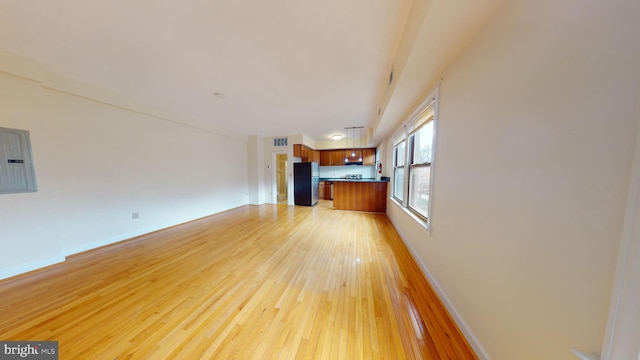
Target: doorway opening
{"type": "Point", "coordinates": [282, 185]}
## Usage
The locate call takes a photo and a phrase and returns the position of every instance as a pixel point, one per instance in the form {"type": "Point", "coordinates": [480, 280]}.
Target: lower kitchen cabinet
{"type": "Point", "coordinates": [328, 185]}
{"type": "Point", "coordinates": [321, 191]}
{"type": "Point", "coordinates": [368, 196]}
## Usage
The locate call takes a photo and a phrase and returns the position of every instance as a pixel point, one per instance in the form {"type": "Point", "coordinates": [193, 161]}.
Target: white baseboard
{"type": "Point", "coordinates": [585, 356]}
{"type": "Point", "coordinates": [31, 266]}
{"type": "Point", "coordinates": [464, 328]}
{"type": "Point", "coordinates": [110, 241]}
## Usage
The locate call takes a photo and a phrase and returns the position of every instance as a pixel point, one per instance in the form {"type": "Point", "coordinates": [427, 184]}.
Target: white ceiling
{"type": "Point", "coordinates": [285, 66]}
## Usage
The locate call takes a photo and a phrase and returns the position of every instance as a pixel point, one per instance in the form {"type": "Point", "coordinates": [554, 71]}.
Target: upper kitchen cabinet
{"type": "Point", "coordinates": [337, 157]}
{"type": "Point", "coordinates": [353, 156]}
{"type": "Point", "coordinates": [369, 156]}
{"type": "Point", "coordinates": [325, 158]}
{"type": "Point", "coordinates": [334, 157]}
{"type": "Point", "coordinates": [303, 152]}
{"type": "Point", "coordinates": [331, 157]}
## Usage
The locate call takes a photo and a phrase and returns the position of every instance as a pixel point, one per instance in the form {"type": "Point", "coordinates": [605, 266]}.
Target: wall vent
{"type": "Point", "coordinates": [280, 141]}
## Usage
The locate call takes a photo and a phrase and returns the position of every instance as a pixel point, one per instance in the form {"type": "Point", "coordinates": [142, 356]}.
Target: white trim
{"type": "Point", "coordinates": [432, 98]}
{"type": "Point", "coordinates": [420, 118]}
{"type": "Point", "coordinates": [436, 107]}
{"type": "Point", "coordinates": [399, 135]}
{"type": "Point", "coordinates": [274, 176]}
{"type": "Point", "coordinates": [584, 356]}
{"type": "Point", "coordinates": [116, 239]}
{"type": "Point", "coordinates": [31, 267]}
{"type": "Point", "coordinates": [455, 315]}
{"type": "Point", "coordinates": [407, 128]}
{"type": "Point", "coordinates": [421, 221]}
{"type": "Point", "coordinates": [621, 339]}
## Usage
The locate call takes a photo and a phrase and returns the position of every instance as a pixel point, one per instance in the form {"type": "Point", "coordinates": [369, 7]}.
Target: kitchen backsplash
{"type": "Point", "coordinates": [341, 171]}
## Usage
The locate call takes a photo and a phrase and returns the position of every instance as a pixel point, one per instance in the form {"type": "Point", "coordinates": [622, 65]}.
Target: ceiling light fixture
{"type": "Point", "coordinates": [219, 95]}
{"type": "Point", "coordinates": [336, 137]}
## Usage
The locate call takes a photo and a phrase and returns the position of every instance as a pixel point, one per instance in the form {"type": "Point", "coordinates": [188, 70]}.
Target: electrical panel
{"type": "Point", "coordinates": [17, 174]}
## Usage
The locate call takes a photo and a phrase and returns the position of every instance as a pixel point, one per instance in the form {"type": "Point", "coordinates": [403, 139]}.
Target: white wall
{"type": "Point", "coordinates": [96, 163]}
{"type": "Point", "coordinates": [255, 153]}
{"type": "Point", "coordinates": [537, 121]}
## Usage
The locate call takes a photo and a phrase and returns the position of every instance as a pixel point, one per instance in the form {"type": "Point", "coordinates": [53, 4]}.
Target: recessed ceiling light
{"type": "Point", "coordinates": [336, 137]}
{"type": "Point", "coordinates": [219, 95]}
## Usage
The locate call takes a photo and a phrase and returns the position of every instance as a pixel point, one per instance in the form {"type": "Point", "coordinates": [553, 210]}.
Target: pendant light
{"type": "Point", "coordinates": [346, 145]}
{"type": "Point", "coordinates": [353, 144]}
{"type": "Point", "coordinates": [360, 143]}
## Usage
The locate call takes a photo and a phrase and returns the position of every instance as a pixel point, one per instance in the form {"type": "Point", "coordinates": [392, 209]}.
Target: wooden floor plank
{"type": "Point", "coordinates": [255, 282]}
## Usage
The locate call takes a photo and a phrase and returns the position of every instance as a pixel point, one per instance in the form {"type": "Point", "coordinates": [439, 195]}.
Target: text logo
{"type": "Point", "coordinates": [32, 350]}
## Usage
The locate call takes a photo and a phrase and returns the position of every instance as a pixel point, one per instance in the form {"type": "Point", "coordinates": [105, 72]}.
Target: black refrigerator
{"type": "Point", "coordinates": [305, 183]}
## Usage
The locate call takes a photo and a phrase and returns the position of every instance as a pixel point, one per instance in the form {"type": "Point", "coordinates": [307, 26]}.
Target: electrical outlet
{"type": "Point", "coordinates": [135, 215]}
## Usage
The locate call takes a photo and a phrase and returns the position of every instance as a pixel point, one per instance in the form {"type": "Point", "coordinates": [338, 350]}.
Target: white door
{"type": "Point", "coordinates": [282, 185]}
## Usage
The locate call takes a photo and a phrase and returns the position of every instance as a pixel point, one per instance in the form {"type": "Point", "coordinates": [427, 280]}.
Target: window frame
{"type": "Point", "coordinates": [424, 114]}
{"type": "Point", "coordinates": [397, 166]}
{"type": "Point", "coordinates": [412, 165]}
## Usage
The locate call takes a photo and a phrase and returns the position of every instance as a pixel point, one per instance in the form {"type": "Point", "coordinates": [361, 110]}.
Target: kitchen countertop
{"type": "Point", "coordinates": [353, 180]}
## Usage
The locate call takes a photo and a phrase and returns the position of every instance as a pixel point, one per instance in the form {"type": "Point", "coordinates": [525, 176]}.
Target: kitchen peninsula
{"type": "Point", "coordinates": [359, 194]}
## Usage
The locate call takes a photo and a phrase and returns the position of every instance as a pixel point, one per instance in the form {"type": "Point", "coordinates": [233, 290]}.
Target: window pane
{"type": "Point", "coordinates": [422, 144]}
{"type": "Point", "coordinates": [398, 183]}
{"type": "Point", "coordinates": [400, 153]}
{"type": "Point", "coordinates": [419, 189]}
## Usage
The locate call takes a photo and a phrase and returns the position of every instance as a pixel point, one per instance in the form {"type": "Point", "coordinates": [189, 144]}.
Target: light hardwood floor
{"type": "Point", "coordinates": [257, 282]}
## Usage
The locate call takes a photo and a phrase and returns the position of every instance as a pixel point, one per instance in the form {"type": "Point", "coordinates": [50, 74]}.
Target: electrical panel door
{"type": "Point", "coordinates": [16, 165]}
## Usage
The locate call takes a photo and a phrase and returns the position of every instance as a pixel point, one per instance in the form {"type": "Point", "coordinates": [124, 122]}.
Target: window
{"type": "Point", "coordinates": [420, 152]}
{"type": "Point", "coordinates": [412, 158]}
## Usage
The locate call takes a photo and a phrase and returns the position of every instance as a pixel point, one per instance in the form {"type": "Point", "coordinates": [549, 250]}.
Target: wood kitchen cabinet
{"type": "Point", "coordinates": [303, 152]}
{"type": "Point", "coordinates": [328, 185]}
{"type": "Point", "coordinates": [352, 154]}
{"type": "Point", "coordinates": [334, 157]}
{"type": "Point", "coordinates": [360, 196]}
{"type": "Point", "coordinates": [369, 156]}
{"type": "Point", "coordinates": [331, 157]}
{"type": "Point", "coordinates": [337, 157]}
{"type": "Point", "coordinates": [325, 158]}
{"type": "Point", "coordinates": [307, 153]}
{"type": "Point", "coordinates": [321, 189]}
